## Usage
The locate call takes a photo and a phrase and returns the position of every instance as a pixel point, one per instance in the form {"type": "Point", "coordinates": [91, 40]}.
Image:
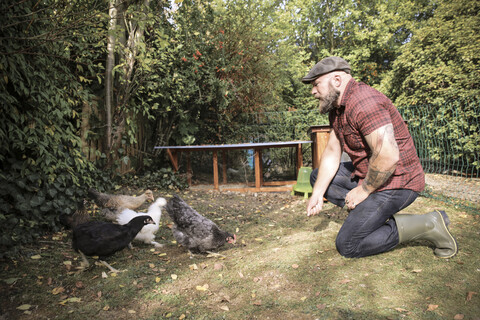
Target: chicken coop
{"type": "Point", "coordinates": [268, 166]}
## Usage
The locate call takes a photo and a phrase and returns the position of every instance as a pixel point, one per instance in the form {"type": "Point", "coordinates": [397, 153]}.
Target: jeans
{"type": "Point", "coordinates": [369, 228]}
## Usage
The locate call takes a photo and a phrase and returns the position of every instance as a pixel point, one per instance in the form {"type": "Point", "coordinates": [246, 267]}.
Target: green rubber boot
{"type": "Point", "coordinates": [432, 226]}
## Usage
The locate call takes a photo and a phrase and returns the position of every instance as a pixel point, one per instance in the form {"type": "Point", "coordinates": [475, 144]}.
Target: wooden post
{"type": "Point", "coordinates": [258, 154]}
{"type": "Point", "coordinates": [224, 169]}
{"type": "Point", "coordinates": [215, 170]}
{"type": "Point", "coordinates": [299, 158]}
{"type": "Point", "coordinates": [319, 136]}
{"type": "Point", "coordinates": [189, 169]}
{"type": "Point", "coordinates": [173, 155]}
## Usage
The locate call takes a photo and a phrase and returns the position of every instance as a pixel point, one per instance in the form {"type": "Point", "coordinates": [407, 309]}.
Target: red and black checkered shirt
{"type": "Point", "coordinates": [362, 111]}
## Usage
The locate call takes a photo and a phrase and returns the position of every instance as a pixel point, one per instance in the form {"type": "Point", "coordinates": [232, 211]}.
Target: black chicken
{"type": "Point", "coordinates": [102, 239]}
{"type": "Point", "coordinates": [193, 231]}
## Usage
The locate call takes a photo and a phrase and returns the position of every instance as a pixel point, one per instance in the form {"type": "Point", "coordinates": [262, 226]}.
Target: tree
{"type": "Point", "coordinates": [440, 62]}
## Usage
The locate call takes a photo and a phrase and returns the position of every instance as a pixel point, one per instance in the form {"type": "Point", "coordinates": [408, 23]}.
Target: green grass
{"type": "Point", "coordinates": [284, 266]}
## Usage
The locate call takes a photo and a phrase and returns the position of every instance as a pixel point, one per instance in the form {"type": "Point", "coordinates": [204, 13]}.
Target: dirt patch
{"type": "Point", "coordinates": [456, 187]}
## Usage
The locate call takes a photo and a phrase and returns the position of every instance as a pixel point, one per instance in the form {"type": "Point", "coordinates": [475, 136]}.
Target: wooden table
{"type": "Point", "coordinates": [174, 151]}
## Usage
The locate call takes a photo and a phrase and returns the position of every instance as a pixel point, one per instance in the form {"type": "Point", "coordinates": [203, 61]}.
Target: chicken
{"type": "Point", "coordinates": [112, 204]}
{"type": "Point", "coordinates": [102, 239]}
{"type": "Point", "coordinates": [193, 231]}
{"type": "Point", "coordinates": [147, 234]}
{"type": "Point", "coordinates": [70, 221]}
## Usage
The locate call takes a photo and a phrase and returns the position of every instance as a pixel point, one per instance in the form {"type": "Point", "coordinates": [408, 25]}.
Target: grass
{"type": "Point", "coordinates": [284, 266]}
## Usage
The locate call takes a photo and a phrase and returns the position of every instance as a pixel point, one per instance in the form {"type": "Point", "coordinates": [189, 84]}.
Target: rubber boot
{"type": "Point", "coordinates": [432, 226]}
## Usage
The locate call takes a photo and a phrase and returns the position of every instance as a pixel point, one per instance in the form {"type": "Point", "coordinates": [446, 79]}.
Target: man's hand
{"type": "Point", "coordinates": [355, 197]}
{"type": "Point", "coordinates": [315, 205]}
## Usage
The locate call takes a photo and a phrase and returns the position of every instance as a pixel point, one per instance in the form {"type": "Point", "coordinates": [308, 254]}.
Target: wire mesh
{"type": "Point", "coordinates": [446, 136]}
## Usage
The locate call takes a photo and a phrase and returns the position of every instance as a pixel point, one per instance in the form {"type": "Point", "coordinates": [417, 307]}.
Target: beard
{"type": "Point", "coordinates": [329, 102]}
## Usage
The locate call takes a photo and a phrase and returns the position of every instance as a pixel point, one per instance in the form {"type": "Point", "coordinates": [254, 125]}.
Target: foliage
{"type": "Point", "coordinates": [447, 136]}
{"type": "Point", "coordinates": [43, 172]}
{"type": "Point", "coordinates": [440, 62]}
{"type": "Point", "coordinates": [161, 179]}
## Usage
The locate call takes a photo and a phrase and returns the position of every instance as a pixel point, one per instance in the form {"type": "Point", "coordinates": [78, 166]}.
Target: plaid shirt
{"type": "Point", "coordinates": [362, 111]}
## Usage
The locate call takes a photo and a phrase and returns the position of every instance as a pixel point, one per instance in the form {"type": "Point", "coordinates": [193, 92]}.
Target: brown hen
{"type": "Point", "coordinates": [115, 202]}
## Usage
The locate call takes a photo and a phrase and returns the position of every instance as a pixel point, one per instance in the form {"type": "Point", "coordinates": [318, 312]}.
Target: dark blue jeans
{"type": "Point", "coordinates": [369, 228]}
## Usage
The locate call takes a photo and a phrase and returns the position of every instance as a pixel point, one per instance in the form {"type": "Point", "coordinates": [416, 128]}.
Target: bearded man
{"type": "Point", "coordinates": [384, 175]}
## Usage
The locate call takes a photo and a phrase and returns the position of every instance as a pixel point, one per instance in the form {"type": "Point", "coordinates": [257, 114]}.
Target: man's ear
{"type": "Point", "coordinates": [337, 81]}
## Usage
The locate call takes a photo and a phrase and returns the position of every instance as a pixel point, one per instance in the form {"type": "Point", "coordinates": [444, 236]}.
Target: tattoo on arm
{"type": "Point", "coordinates": [379, 171]}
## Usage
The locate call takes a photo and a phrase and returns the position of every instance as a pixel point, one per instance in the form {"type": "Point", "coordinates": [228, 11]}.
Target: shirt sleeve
{"type": "Point", "coordinates": [371, 115]}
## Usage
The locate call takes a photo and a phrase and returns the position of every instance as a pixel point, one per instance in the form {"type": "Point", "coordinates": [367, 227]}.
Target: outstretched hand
{"type": "Point", "coordinates": [315, 205]}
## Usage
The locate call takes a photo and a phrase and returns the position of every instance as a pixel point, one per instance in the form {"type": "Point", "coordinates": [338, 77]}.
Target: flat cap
{"type": "Point", "coordinates": [326, 65]}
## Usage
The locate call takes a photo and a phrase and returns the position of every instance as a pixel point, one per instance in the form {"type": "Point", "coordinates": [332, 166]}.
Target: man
{"type": "Point", "coordinates": [384, 176]}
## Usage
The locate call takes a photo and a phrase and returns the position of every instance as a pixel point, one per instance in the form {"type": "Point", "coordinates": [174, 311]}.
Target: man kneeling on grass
{"type": "Point", "coordinates": [384, 176]}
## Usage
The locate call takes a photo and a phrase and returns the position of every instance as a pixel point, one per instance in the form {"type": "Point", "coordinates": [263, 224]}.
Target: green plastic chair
{"type": "Point", "coordinates": [303, 182]}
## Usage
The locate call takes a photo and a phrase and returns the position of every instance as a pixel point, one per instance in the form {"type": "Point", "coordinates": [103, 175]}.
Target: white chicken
{"type": "Point", "coordinates": [147, 234]}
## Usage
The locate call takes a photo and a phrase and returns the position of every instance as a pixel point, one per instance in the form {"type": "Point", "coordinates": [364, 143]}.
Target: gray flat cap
{"type": "Point", "coordinates": [326, 65]}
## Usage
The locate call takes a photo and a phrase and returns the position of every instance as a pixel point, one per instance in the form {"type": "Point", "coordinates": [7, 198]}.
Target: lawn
{"type": "Point", "coordinates": [283, 266]}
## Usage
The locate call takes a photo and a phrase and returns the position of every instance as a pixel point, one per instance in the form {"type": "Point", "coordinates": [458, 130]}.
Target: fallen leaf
{"type": "Point", "coordinates": [202, 288]}
{"type": "Point", "coordinates": [258, 239]}
{"type": "Point", "coordinates": [24, 307]}
{"type": "Point", "coordinates": [182, 316]}
{"type": "Point", "coordinates": [344, 281]}
{"type": "Point", "coordinates": [64, 302]}
{"type": "Point", "coordinates": [417, 270]}
{"type": "Point", "coordinates": [224, 308]}
{"type": "Point", "coordinates": [303, 298]}
{"type": "Point", "coordinates": [79, 284]}
{"type": "Point", "coordinates": [11, 280]}
{"type": "Point", "coordinates": [151, 265]}
{"type": "Point", "coordinates": [106, 308]}
{"type": "Point", "coordinates": [470, 295]}
{"type": "Point", "coordinates": [36, 257]}
{"type": "Point", "coordinates": [104, 275]}
{"type": "Point", "coordinates": [157, 279]}
{"type": "Point", "coordinates": [174, 276]}
{"type": "Point", "coordinates": [401, 310]}
{"type": "Point", "coordinates": [459, 316]}
{"type": "Point", "coordinates": [67, 263]}
{"type": "Point", "coordinates": [295, 266]}
{"type": "Point", "coordinates": [432, 307]}
{"type": "Point", "coordinates": [240, 274]}
{"type": "Point", "coordinates": [58, 290]}
{"type": "Point", "coordinates": [257, 279]}
{"type": "Point", "coordinates": [218, 266]}
{"type": "Point", "coordinates": [257, 303]}
{"type": "Point", "coordinates": [132, 311]}
{"type": "Point", "coordinates": [321, 306]}
{"type": "Point", "coordinates": [193, 267]}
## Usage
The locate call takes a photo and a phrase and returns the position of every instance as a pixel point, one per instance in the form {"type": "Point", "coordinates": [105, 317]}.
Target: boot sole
{"type": "Point", "coordinates": [446, 223]}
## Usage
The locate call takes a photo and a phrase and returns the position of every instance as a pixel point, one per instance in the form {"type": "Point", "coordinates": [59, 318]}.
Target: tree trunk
{"type": "Point", "coordinates": [130, 51]}
{"type": "Point", "coordinates": [110, 64]}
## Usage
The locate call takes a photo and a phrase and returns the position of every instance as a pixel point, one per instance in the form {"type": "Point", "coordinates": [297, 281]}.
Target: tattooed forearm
{"type": "Point", "coordinates": [375, 178]}
{"type": "Point", "coordinates": [383, 160]}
